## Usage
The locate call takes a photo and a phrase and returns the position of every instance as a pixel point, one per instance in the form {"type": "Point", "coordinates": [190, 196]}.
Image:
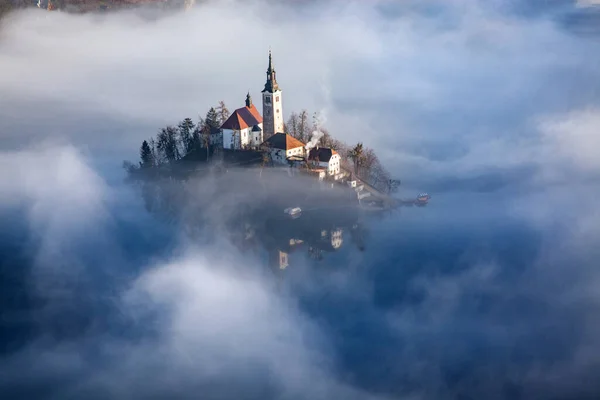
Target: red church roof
{"type": "Point", "coordinates": [283, 141]}
{"type": "Point", "coordinates": [243, 118]}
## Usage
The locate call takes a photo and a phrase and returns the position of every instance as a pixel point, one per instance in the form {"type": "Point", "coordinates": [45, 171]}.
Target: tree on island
{"type": "Point", "coordinates": [197, 137]}
{"type": "Point", "coordinates": [291, 126]}
{"type": "Point", "coordinates": [167, 144]}
{"type": "Point", "coordinates": [186, 136]}
{"type": "Point", "coordinates": [392, 185]}
{"type": "Point", "coordinates": [212, 119]}
{"type": "Point", "coordinates": [303, 128]}
{"type": "Point", "coordinates": [146, 156]}
{"type": "Point", "coordinates": [222, 113]}
{"type": "Point", "coordinates": [175, 143]}
{"type": "Point", "coordinates": [357, 155]}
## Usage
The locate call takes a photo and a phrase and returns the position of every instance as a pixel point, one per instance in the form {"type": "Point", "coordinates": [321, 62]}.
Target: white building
{"type": "Point", "coordinates": [283, 146]}
{"type": "Point", "coordinates": [244, 128]}
{"type": "Point", "coordinates": [272, 103]}
{"type": "Point", "coordinates": [326, 158]}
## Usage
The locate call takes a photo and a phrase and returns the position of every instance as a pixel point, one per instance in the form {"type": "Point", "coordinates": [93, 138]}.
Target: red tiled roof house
{"type": "Point", "coordinates": [282, 146]}
{"type": "Point", "coordinates": [244, 128]}
{"type": "Point", "coordinates": [326, 158]}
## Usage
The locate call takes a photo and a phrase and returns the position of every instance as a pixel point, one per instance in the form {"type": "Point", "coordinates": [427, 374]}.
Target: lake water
{"type": "Point", "coordinates": [477, 295]}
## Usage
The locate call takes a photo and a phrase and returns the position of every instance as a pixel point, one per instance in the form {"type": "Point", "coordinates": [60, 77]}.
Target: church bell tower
{"type": "Point", "coordinates": [272, 104]}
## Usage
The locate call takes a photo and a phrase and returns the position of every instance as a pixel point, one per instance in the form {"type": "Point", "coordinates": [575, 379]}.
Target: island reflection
{"type": "Point", "coordinates": [247, 208]}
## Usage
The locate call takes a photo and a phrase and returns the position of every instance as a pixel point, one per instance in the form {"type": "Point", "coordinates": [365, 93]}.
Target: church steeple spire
{"type": "Point", "coordinates": [272, 101]}
{"type": "Point", "coordinates": [248, 100]}
{"type": "Point", "coordinates": [270, 69]}
{"type": "Point", "coordinates": [271, 84]}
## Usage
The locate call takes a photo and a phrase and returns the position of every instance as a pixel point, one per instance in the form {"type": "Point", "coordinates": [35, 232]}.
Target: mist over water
{"type": "Point", "coordinates": [205, 289]}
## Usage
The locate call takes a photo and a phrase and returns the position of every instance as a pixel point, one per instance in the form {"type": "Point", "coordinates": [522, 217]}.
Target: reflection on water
{"type": "Point", "coordinates": [250, 211]}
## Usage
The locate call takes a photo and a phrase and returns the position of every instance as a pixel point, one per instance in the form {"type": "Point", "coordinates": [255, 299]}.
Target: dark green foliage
{"type": "Point", "coordinates": [186, 131]}
{"type": "Point", "coordinates": [357, 155]}
{"type": "Point", "coordinates": [146, 155]}
{"type": "Point", "coordinates": [197, 136]}
{"type": "Point", "coordinates": [212, 119]}
{"type": "Point", "coordinates": [167, 144]}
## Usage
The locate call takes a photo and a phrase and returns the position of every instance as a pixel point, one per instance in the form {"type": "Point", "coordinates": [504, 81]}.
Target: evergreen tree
{"type": "Point", "coordinates": [357, 155]}
{"type": "Point", "coordinates": [146, 155]}
{"type": "Point", "coordinates": [152, 145]}
{"type": "Point", "coordinates": [168, 145]}
{"type": "Point", "coordinates": [212, 120]}
{"type": "Point", "coordinates": [197, 136]}
{"type": "Point", "coordinates": [186, 129]}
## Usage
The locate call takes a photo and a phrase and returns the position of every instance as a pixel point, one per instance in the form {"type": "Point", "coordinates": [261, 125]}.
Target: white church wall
{"type": "Point", "coordinates": [278, 111]}
{"type": "Point", "coordinates": [273, 112]}
{"type": "Point", "coordinates": [257, 137]}
{"type": "Point", "coordinates": [278, 156]}
{"type": "Point", "coordinates": [244, 138]}
{"type": "Point", "coordinates": [295, 152]}
{"type": "Point", "coordinates": [236, 140]}
{"type": "Point", "coordinates": [227, 138]}
{"type": "Point", "coordinates": [334, 165]}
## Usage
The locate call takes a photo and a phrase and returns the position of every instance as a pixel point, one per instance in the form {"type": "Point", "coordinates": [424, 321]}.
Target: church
{"type": "Point", "coordinates": [246, 128]}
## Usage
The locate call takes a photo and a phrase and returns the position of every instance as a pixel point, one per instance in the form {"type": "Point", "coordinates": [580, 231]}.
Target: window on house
{"type": "Point", "coordinates": [278, 111]}
{"type": "Point", "coordinates": [268, 100]}
{"type": "Point", "coordinates": [277, 99]}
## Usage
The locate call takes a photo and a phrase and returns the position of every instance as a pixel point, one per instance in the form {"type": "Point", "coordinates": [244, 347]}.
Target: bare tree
{"type": "Point", "coordinates": [291, 127]}
{"type": "Point", "coordinates": [392, 185]}
{"type": "Point", "coordinates": [303, 128]}
{"type": "Point", "coordinates": [222, 113]}
{"type": "Point", "coordinates": [205, 134]}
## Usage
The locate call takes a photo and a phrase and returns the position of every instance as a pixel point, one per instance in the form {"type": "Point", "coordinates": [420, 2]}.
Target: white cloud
{"type": "Point", "coordinates": [588, 3]}
{"type": "Point", "coordinates": [440, 93]}
{"type": "Point", "coordinates": [574, 138]}
{"type": "Point", "coordinates": [211, 318]}
{"type": "Point", "coordinates": [411, 79]}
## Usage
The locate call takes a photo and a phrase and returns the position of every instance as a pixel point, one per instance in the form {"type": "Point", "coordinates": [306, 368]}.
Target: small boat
{"type": "Point", "coordinates": [293, 212]}
{"type": "Point", "coordinates": [423, 198]}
